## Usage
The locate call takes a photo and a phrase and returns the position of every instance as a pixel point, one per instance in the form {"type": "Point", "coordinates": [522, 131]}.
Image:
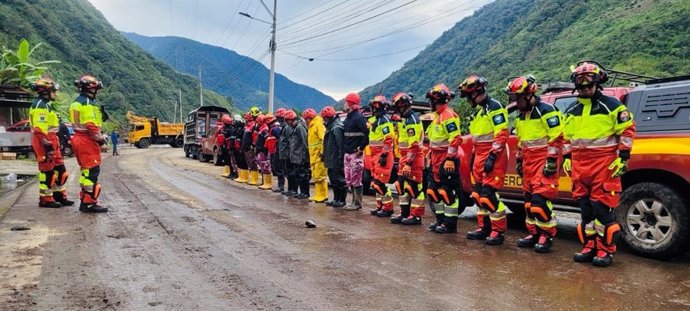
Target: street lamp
{"type": "Point", "coordinates": [272, 48]}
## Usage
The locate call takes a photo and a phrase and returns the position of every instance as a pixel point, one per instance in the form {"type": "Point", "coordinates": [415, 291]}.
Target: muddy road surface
{"type": "Point", "coordinates": [180, 237]}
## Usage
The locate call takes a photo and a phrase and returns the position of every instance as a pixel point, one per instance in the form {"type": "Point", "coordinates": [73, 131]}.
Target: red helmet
{"type": "Point", "coordinates": [280, 113]}
{"type": "Point", "coordinates": [378, 102]}
{"type": "Point", "coordinates": [290, 115]}
{"type": "Point", "coordinates": [248, 117]}
{"type": "Point", "coordinates": [440, 93]}
{"type": "Point", "coordinates": [588, 73]}
{"type": "Point", "coordinates": [402, 99]}
{"type": "Point", "coordinates": [328, 112]}
{"type": "Point", "coordinates": [521, 86]}
{"type": "Point", "coordinates": [268, 118]}
{"type": "Point", "coordinates": [45, 85]}
{"type": "Point", "coordinates": [309, 114]}
{"type": "Point", "coordinates": [88, 82]}
{"type": "Point", "coordinates": [260, 118]}
{"type": "Point", "coordinates": [353, 101]}
{"type": "Point", "coordinates": [226, 119]}
{"type": "Point", "coordinates": [473, 84]}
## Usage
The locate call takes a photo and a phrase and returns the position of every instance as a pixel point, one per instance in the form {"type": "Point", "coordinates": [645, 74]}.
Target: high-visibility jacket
{"type": "Point", "coordinates": [410, 137]}
{"type": "Point", "coordinates": [315, 134]}
{"type": "Point", "coordinates": [489, 126]}
{"type": "Point", "coordinates": [444, 132]}
{"type": "Point", "coordinates": [381, 133]}
{"type": "Point", "coordinates": [601, 123]}
{"type": "Point", "coordinates": [85, 116]}
{"type": "Point", "coordinates": [540, 128]}
{"type": "Point", "coordinates": [44, 119]}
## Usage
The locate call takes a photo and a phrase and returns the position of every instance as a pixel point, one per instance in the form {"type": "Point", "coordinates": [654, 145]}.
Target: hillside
{"type": "Point", "coordinates": [219, 73]}
{"type": "Point", "coordinates": [78, 35]}
{"type": "Point", "coordinates": [508, 38]}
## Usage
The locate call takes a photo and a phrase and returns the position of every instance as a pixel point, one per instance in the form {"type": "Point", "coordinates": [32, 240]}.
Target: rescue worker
{"type": "Point", "coordinates": [252, 133]}
{"type": "Point", "coordinates": [245, 145]}
{"type": "Point", "coordinates": [235, 143]}
{"type": "Point", "coordinates": [45, 125]}
{"type": "Point", "coordinates": [381, 139]}
{"type": "Point", "coordinates": [278, 163]}
{"type": "Point", "coordinates": [299, 156]}
{"type": "Point", "coordinates": [263, 158]}
{"type": "Point", "coordinates": [333, 155]}
{"type": "Point", "coordinates": [599, 132]}
{"type": "Point", "coordinates": [539, 130]}
{"type": "Point", "coordinates": [225, 133]}
{"type": "Point", "coordinates": [356, 139]}
{"type": "Point", "coordinates": [87, 118]}
{"type": "Point", "coordinates": [489, 129]}
{"type": "Point", "coordinates": [316, 131]}
{"type": "Point", "coordinates": [411, 164]}
{"type": "Point", "coordinates": [444, 140]}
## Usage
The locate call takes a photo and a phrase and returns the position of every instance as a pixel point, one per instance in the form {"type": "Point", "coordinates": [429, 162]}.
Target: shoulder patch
{"type": "Point", "coordinates": [499, 119]}
{"type": "Point", "coordinates": [451, 127]}
{"type": "Point", "coordinates": [385, 130]}
{"type": "Point", "coordinates": [623, 116]}
{"type": "Point", "coordinates": [411, 132]}
{"type": "Point", "coordinates": [553, 121]}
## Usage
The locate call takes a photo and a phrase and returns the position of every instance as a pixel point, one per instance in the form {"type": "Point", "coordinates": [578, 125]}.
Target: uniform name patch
{"type": "Point", "coordinates": [385, 130]}
{"type": "Point", "coordinates": [411, 132]}
{"type": "Point", "coordinates": [498, 119]}
{"type": "Point", "coordinates": [553, 121]}
{"type": "Point", "coordinates": [450, 127]}
{"type": "Point", "coordinates": [623, 116]}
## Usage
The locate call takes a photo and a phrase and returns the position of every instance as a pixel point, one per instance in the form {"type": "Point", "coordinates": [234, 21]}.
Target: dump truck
{"type": "Point", "coordinates": [145, 131]}
{"type": "Point", "coordinates": [15, 129]}
{"type": "Point", "coordinates": [199, 123]}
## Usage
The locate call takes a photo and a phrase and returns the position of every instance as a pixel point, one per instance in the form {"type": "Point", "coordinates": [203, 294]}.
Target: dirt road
{"type": "Point", "coordinates": [180, 237]}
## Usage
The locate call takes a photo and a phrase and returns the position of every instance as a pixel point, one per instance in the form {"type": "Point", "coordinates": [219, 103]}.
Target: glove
{"type": "Point", "coordinates": [567, 164]}
{"type": "Point", "coordinates": [489, 164]}
{"type": "Point", "coordinates": [619, 167]}
{"type": "Point", "coordinates": [518, 166]}
{"type": "Point", "coordinates": [449, 166]}
{"type": "Point", "coordinates": [383, 159]}
{"type": "Point", "coordinates": [551, 167]}
{"type": "Point", "coordinates": [407, 170]}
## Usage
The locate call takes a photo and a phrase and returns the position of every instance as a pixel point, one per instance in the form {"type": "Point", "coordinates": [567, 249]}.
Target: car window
{"type": "Point", "coordinates": [563, 103]}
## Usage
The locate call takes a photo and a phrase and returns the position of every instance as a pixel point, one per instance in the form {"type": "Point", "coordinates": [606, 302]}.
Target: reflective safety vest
{"type": "Point", "coordinates": [381, 132]}
{"type": "Point", "coordinates": [43, 117]}
{"type": "Point", "coordinates": [315, 135]}
{"type": "Point", "coordinates": [490, 125]}
{"type": "Point", "coordinates": [596, 123]}
{"type": "Point", "coordinates": [444, 132]}
{"type": "Point", "coordinates": [410, 132]}
{"type": "Point", "coordinates": [89, 113]}
{"type": "Point", "coordinates": [541, 127]}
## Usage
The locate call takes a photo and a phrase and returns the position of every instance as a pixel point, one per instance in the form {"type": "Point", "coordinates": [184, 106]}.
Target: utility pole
{"type": "Point", "coordinates": [271, 78]}
{"type": "Point", "coordinates": [201, 89]}
{"type": "Point", "coordinates": [179, 93]}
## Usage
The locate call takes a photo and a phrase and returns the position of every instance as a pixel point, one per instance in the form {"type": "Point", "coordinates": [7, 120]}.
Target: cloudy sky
{"type": "Point", "coordinates": [354, 43]}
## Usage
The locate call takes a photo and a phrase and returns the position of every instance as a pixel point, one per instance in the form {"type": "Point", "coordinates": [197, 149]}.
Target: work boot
{"type": "Point", "coordinates": [357, 201]}
{"type": "Point", "coordinates": [439, 220]}
{"type": "Point", "coordinates": [384, 213]}
{"type": "Point", "coordinates": [340, 198]}
{"type": "Point", "coordinates": [281, 184]}
{"type": "Point", "coordinates": [602, 259]}
{"type": "Point", "coordinates": [244, 176]}
{"type": "Point", "coordinates": [320, 192]}
{"type": "Point", "coordinates": [93, 208]}
{"type": "Point", "coordinates": [588, 252]}
{"type": "Point", "coordinates": [450, 225]}
{"type": "Point", "coordinates": [253, 178]}
{"type": "Point", "coordinates": [268, 182]}
{"type": "Point", "coordinates": [412, 220]}
{"type": "Point", "coordinates": [495, 238]}
{"type": "Point", "coordinates": [404, 213]}
{"type": "Point", "coordinates": [479, 234]}
{"type": "Point", "coordinates": [61, 198]}
{"type": "Point", "coordinates": [528, 241]}
{"type": "Point", "coordinates": [544, 244]}
{"type": "Point", "coordinates": [226, 171]}
{"type": "Point", "coordinates": [49, 204]}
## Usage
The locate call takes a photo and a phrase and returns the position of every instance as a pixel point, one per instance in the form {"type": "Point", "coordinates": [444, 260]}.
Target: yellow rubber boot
{"type": "Point", "coordinates": [253, 178]}
{"type": "Point", "coordinates": [226, 171]}
{"type": "Point", "coordinates": [268, 182]}
{"type": "Point", "coordinates": [321, 192]}
{"type": "Point", "coordinates": [244, 176]}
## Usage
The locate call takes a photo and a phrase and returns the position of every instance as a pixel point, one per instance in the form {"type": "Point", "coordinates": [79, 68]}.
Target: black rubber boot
{"type": "Point", "coordinates": [50, 205]}
{"type": "Point", "coordinates": [384, 213]}
{"type": "Point", "coordinates": [60, 197]}
{"type": "Point", "coordinates": [281, 184]}
{"type": "Point", "coordinates": [495, 238]}
{"type": "Point", "coordinates": [479, 234]}
{"type": "Point", "coordinates": [602, 260]}
{"type": "Point", "coordinates": [439, 220]}
{"type": "Point", "coordinates": [528, 241]}
{"type": "Point", "coordinates": [450, 225]}
{"type": "Point", "coordinates": [404, 213]}
{"type": "Point", "coordinates": [93, 208]}
{"type": "Point", "coordinates": [412, 220]}
{"type": "Point", "coordinates": [340, 197]}
{"type": "Point", "coordinates": [544, 244]}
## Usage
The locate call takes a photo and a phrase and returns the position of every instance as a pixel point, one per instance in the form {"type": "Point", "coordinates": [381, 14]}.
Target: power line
{"type": "Point", "coordinates": [305, 12]}
{"type": "Point", "coordinates": [356, 58]}
{"type": "Point", "coordinates": [232, 19]}
{"type": "Point", "coordinates": [317, 14]}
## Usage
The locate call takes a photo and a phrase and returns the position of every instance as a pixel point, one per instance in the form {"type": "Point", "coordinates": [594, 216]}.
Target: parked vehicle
{"type": "Point", "coordinates": [210, 146]}
{"type": "Point", "coordinates": [654, 213]}
{"type": "Point", "coordinates": [199, 122]}
{"type": "Point", "coordinates": [145, 131]}
{"type": "Point", "coordinates": [15, 130]}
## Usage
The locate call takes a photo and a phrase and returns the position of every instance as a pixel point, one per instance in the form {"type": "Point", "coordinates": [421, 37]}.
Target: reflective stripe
{"type": "Point", "coordinates": [627, 141]}
{"type": "Point", "coordinates": [552, 150]}
{"type": "Point", "coordinates": [315, 144]}
{"type": "Point", "coordinates": [353, 134]}
{"type": "Point", "coordinates": [483, 138]}
{"type": "Point", "coordinates": [403, 145]}
{"type": "Point", "coordinates": [376, 143]}
{"type": "Point", "coordinates": [539, 142]}
{"type": "Point", "coordinates": [439, 144]}
{"type": "Point", "coordinates": [597, 142]}
{"type": "Point", "coordinates": [567, 148]}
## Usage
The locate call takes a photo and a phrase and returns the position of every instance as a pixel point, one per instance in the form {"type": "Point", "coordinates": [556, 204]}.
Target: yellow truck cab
{"type": "Point", "coordinates": [144, 131]}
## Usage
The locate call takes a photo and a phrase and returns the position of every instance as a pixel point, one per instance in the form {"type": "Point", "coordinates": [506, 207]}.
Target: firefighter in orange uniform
{"type": "Point", "coordinates": [87, 142]}
{"type": "Point", "coordinates": [410, 142]}
{"type": "Point", "coordinates": [444, 140]}
{"type": "Point", "coordinates": [539, 129]}
{"type": "Point", "coordinates": [599, 132]}
{"type": "Point", "coordinates": [381, 137]}
{"type": "Point", "coordinates": [46, 145]}
{"type": "Point", "coordinates": [489, 129]}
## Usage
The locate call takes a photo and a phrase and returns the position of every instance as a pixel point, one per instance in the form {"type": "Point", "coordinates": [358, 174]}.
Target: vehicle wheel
{"type": "Point", "coordinates": [655, 220]}
{"type": "Point", "coordinates": [178, 143]}
{"type": "Point", "coordinates": [202, 157]}
{"type": "Point", "coordinates": [366, 182]}
{"type": "Point", "coordinates": [217, 160]}
{"type": "Point", "coordinates": [137, 145]}
{"type": "Point", "coordinates": [144, 143]}
{"type": "Point", "coordinates": [186, 152]}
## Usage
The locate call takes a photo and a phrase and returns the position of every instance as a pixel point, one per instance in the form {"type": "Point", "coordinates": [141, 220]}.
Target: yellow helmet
{"type": "Point", "coordinates": [255, 111]}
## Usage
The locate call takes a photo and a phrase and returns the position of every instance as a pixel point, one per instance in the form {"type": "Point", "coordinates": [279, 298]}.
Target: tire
{"type": "Point", "coordinates": [217, 160]}
{"type": "Point", "coordinates": [144, 143]}
{"type": "Point", "coordinates": [137, 145]}
{"type": "Point", "coordinates": [179, 142]}
{"type": "Point", "coordinates": [655, 220]}
{"type": "Point", "coordinates": [202, 157]}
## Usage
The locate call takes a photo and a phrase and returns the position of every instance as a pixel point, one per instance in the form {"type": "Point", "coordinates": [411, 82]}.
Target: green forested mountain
{"type": "Point", "coordinates": [248, 87]}
{"type": "Point", "coordinates": [76, 34]}
{"type": "Point", "coordinates": [508, 38]}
